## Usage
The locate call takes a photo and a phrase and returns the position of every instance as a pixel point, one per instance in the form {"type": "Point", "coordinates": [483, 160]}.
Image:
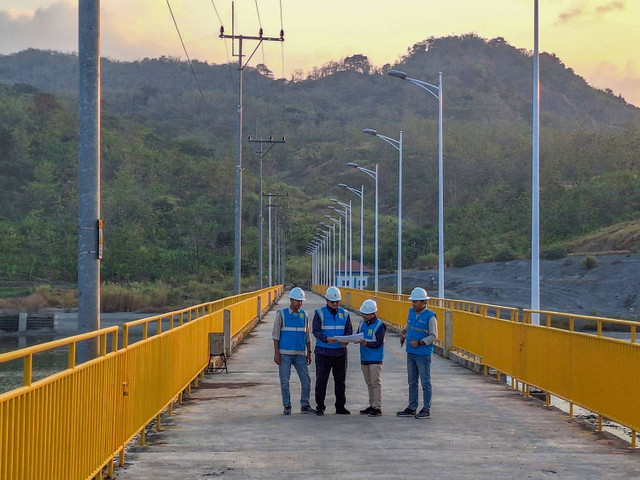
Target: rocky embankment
{"type": "Point", "coordinates": [611, 288]}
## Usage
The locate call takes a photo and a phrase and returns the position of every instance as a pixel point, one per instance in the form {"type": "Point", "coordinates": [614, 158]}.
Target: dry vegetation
{"type": "Point", "coordinates": [619, 238]}
{"type": "Point", "coordinates": [130, 297]}
{"type": "Point", "coordinates": [40, 297]}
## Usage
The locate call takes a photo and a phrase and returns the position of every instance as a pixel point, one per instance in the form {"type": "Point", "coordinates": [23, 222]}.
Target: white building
{"type": "Point", "coordinates": [343, 279]}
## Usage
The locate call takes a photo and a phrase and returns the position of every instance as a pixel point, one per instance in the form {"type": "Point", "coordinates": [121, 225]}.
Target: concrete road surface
{"type": "Point", "coordinates": [232, 427]}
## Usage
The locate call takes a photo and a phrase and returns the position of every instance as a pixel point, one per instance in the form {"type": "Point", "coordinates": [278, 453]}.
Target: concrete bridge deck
{"type": "Point", "coordinates": [232, 427]}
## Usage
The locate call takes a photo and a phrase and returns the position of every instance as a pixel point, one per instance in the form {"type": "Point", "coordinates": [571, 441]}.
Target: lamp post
{"type": "Point", "coordinates": [269, 242]}
{"type": "Point", "coordinates": [321, 259]}
{"type": "Point", "coordinates": [332, 255]}
{"type": "Point", "coordinates": [316, 244]}
{"type": "Point", "coordinates": [347, 207]}
{"type": "Point", "coordinates": [347, 237]}
{"type": "Point", "coordinates": [373, 174]}
{"type": "Point", "coordinates": [436, 91]}
{"type": "Point", "coordinates": [322, 237]}
{"type": "Point", "coordinates": [397, 144]}
{"type": "Point", "coordinates": [535, 177]}
{"type": "Point", "coordinates": [337, 221]}
{"type": "Point", "coordinates": [359, 193]}
{"type": "Point", "coordinates": [312, 251]}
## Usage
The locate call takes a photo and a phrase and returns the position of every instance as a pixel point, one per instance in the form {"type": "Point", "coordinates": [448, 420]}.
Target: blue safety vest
{"type": "Point", "coordinates": [293, 332]}
{"type": "Point", "coordinates": [331, 325]}
{"type": "Point", "coordinates": [417, 329]}
{"type": "Point", "coordinates": [369, 331]}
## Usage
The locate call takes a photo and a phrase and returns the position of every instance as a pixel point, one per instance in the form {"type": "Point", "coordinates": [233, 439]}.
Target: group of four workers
{"type": "Point", "coordinates": [332, 329]}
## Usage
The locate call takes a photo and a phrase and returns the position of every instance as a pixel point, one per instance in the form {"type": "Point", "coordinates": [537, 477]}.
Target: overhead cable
{"type": "Point", "coordinates": [184, 48]}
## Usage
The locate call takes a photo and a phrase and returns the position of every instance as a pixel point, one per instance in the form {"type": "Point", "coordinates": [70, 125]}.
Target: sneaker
{"type": "Point", "coordinates": [422, 414]}
{"type": "Point", "coordinates": [366, 411]}
{"type": "Point", "coordinates": [342, 411]}
{"type": "Point", "coordinates": [319, 412]}
{"type": "Point", "coordinates": [375, 412]}
{"type": "Point", "coordinates": [287, 410]}
{"type": "Point", "coordinates": [307, 409]}
{"type": "Point", "coordinates": [407, 412]}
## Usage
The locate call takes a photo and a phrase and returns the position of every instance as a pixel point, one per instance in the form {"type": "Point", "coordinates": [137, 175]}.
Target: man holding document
{"type": "Point", "coordinates": [332, 328]}
{"type": "Point", "coordinates": [371, 355]}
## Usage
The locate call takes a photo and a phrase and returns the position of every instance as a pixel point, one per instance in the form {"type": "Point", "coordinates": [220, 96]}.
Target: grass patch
{"type": "Point", "coordinates": [12, 292]}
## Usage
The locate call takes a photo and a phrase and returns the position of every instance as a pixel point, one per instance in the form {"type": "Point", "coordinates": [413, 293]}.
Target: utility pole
{"type": "Point", "coordinates": [271, 143]}
{"type": "Point", "coordinates": [89, 223]}
{"type": "Point", "coordinates": [238, 177]}
{"type": "Point", "coordinates": [270, 206]}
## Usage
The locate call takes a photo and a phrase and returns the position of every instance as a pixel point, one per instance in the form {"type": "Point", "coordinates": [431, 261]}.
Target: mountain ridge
{"type": "Point", "coordinates": [168, 156]}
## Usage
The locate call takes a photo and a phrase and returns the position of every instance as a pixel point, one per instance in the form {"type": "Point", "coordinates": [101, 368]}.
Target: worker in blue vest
{"type": "Point", "coordinates": [371, 355]}
{"type": "Point", "coordinates": [292, 346]}
{"type": "Point", "coordinates": [420, 333]}
{"type": "Point", "coordinates": [331, 355]}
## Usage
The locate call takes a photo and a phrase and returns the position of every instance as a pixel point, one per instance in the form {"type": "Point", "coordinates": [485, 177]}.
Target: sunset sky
{"type": "Point", "coordinates": [599, 39]}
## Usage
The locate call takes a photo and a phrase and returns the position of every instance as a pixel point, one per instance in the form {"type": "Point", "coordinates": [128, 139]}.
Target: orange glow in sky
{"type": "Point", "coordinates": [598, 39]}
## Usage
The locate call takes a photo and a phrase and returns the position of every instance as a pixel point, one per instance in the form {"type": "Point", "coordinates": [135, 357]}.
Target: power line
{"type": "Point", "coordinates": [258, 12]}
{"type": "Point", "coordinates": [184, 48]}
{"type": "Point", "coordinates": [220, 21]}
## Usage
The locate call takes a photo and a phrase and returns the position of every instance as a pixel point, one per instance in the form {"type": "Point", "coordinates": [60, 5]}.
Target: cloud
{"type": "Point", "coordinates": [625, 78]}
{"type": "Point", "coordinates": [569, 15]}
{"type": "Point", "coordinates": [51, 28]}
{"type": "Point", "coordinates": [610, 7]}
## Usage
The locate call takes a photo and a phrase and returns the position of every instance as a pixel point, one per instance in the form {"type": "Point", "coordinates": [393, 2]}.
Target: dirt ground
{"type": "Point", "coordinates": [610, 289]}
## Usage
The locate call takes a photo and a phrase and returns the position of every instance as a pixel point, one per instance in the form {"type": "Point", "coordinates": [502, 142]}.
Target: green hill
{"type": "Point", "coordinates": [168, 159]}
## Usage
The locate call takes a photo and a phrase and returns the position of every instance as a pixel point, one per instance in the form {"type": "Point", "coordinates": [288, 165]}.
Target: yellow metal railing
{"type": "Point", "coordinates": [592, 371]}
{"type": "Point", "coordinates": [74, 423]}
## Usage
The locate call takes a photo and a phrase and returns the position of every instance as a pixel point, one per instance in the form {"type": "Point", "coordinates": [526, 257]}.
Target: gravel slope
{"type": "Point", "coordinates": [610, 289]}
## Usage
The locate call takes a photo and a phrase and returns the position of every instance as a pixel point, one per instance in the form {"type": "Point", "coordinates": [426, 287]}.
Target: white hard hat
{"type": "Point", "coordinates": [369, 306]}
{"type": "Point", "coordinates": [297, 294]}
{"type": "Point", "coordinates": [333, 294]}
{"type": "Point", "coordinates": [419, 294]}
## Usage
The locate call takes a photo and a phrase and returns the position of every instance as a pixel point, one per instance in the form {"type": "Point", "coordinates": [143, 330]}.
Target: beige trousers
{"type": "Point", "coordinates": [372, 374]}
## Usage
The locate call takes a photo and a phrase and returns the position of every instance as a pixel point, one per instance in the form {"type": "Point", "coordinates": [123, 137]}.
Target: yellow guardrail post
{"type": "Point", "coordinates": [226, 329]}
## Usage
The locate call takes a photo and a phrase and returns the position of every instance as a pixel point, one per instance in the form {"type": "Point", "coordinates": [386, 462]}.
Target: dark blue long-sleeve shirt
{"type": "Point", "coordinates": [316, 328]}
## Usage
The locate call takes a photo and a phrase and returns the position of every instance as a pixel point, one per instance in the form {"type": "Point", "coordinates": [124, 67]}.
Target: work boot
{"type": "Point", "coordinates": [407, 412]}
{"type": "Point", "coordinates": [423, 414]}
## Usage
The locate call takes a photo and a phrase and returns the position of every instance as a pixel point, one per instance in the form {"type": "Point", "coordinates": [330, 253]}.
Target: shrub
{"type": "Point", "coordinates": [505, 255]}
{"type": "Point", "coordinates": [556, 252]}
{"type": "Point", "coordinates": [427, 261]}
{"type": "Point", "coordinates": [463, 258]}
{"type": "Point", "coordinates": [590, 263]}
{"type": "Point", "coordinates": [115, 298]}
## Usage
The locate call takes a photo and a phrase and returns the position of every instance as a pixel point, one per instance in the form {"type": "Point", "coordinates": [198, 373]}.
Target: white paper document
{"type": "Point", "coordinates": [355, 338]}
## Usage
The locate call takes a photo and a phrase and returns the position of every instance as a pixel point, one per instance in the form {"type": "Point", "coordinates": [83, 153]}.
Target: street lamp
{"type": "Point", "coordinates": [436, 91]}
{"type": "Point", "coordinates": [332, 234]}
{"type": "Point", "coordinates": [323, 236]}
{"type": "Point", "coordinates": [535, 176]}
{"type": "Point", "coordinates": [312, 250]}
{"type": "Point", "coordinates": [347, 207]}
{"type": "Point", "coordinates": [337, 221]}
{"type": "Point", "coordinates": [359, 193]}
{"type": "Point", "coordinates": [373, 174]}
{"type": "Point", "coordinates": [397, 144]}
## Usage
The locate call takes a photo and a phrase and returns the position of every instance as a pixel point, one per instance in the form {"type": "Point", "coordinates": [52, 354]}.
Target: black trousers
{"type": "Point", "coordinates": [325, 364]}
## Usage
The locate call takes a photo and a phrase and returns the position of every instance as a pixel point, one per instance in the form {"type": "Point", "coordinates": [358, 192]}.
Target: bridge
{"type": "Point", "coordinates": [170, 419]}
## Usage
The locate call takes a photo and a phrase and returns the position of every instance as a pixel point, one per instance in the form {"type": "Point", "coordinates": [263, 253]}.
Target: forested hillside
{"type": "Point", "coordinates": [168, 159]}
